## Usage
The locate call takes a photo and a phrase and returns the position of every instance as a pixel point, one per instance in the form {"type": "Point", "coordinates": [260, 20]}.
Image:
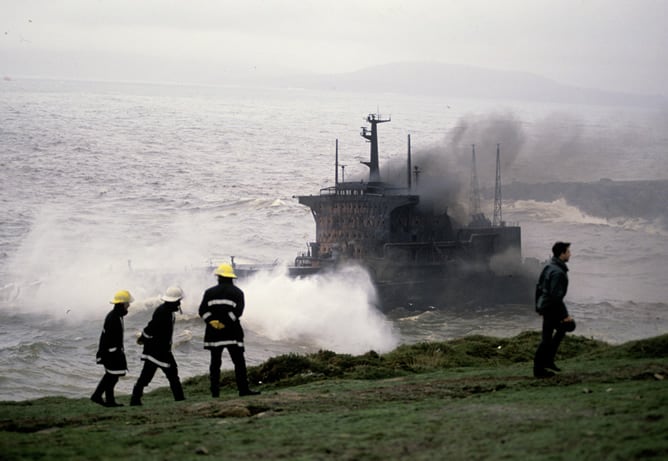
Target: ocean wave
{"type": "Point", "coordinates": [629, 203]}
{"type": "Point", "coordinates": [560, 211]}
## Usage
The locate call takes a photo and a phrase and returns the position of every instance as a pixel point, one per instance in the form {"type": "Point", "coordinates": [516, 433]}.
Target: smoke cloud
{"type": "Point", "coordinates": [558, 147]}
{"type": "Point", "coordinates": [444, 170]}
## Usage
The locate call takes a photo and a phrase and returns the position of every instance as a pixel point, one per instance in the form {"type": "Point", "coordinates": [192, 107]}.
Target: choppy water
{"type": "Point", "coordinates": [108, 186]}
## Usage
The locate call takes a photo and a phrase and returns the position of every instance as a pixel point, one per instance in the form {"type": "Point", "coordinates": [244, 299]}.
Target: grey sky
{"type": "Point", "coordinates": [619, 45]}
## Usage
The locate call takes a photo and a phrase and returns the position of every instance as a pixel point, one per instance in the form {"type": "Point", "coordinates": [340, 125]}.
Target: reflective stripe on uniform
{"type": "Point", "coordinates": [154, 360]}
{"type": "Point", "coordinates": [206, 315]}
{"type": "Point", "coordinates": [232, 316]}
{"type": "Point", "coordinates": [113, 349]}
{"type": "Point", "coordinates": [224, 343]}
{"type": "Point", "coordinates": [115, 372]}
{"type": "Point", "coordinates": [228, 302]}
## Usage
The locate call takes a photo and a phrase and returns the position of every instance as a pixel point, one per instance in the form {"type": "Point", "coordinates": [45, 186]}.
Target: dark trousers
{"type": "Point", "coordinates": [147, 374]}
{"type": "Point", "coordinates": [551, 336]}
{"type": "Point", "coordinates": [106, 387]}
{"type": "Point", "coordinates": [237, 356]}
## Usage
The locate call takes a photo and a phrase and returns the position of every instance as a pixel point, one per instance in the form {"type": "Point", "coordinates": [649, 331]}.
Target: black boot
{"type": "Point", "coordinates": [177, 390]}
{"type": "Point", "coordinates": [111, 400]}
{"type": "Point", "coordinates": [101, 388]}
{"type": "Point", "coordinates": [242, 379]}
{"type": "Point", "coordinates": [246, 392]}
{"type": "Point", "coordinates": [552, 366]}
{"type": "Point", "coordinates": [97, 398]}
{"type": "Point", "coordinates": [137, 392]}
{"type": "Point", "coordinates": [214, 386]}
{"type": "Point", "coordinates": [542, 373]}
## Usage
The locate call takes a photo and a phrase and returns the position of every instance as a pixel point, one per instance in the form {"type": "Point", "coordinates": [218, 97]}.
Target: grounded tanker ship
{"type": "Point", "coordinates": [416, 256]}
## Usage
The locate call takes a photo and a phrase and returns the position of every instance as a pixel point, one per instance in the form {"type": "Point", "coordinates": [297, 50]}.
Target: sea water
{"type": "Point", "coordinates": [109, 186]}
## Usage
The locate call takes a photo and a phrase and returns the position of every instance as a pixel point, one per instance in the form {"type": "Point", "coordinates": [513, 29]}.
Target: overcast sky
{"type": "Point", "coordinates": [619, 45]}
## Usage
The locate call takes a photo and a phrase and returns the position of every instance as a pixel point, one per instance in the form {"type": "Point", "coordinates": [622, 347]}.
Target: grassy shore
{"type": "Point", "coordinates": [471, 398]}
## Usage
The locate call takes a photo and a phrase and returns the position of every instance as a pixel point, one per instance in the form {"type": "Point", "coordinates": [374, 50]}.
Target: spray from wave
{"type": "Point", "coordinates": [560, 211]}
{"type": "Point", "coordinates": [334, 311]}
{"type": "Point", "coordinates": [70, 271]}
{"type": "Point", "coordinates": [67, 265]}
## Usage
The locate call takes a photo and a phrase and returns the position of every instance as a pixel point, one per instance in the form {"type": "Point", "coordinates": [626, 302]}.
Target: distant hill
{"type": "Point", "coordinates": [430, 78]}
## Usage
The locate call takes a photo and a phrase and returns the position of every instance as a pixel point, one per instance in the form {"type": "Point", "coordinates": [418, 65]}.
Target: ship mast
{"type": "Point", "coordinates": [498, 218]}
{"type": "Point", "coordinates": [474, 200]}
{"type": "Point", "coordinates": [372, 137]}
{"type": "Point", "coordinates": [409, 163]}
{"type": "Point", "coordinates": [336, 165]}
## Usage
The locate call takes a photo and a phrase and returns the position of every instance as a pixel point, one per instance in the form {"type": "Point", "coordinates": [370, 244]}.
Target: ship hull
{"type": "Point", "coordinates": [460, 290]}
{"type": "Point", "coordinates": [439, 287]}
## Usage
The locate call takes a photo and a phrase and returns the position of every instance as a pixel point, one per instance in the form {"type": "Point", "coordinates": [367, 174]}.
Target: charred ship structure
{"type": "Point", "coordinates": [417, 256]}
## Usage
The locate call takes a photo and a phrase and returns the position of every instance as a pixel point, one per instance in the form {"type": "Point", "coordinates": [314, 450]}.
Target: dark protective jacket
{"type": "Point", "coordinates": [225, 303]}
{"type": "Point", "coordinates": [110, 352]}
{"type": "Point", "coordinates": [157, 335]}
{"type": "Point", "coordinates": [551, 290]}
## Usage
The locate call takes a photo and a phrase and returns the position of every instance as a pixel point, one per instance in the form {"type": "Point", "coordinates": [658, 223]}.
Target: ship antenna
{"type": "Point", "coordinates": [372, 136]}
{"type": "Point", "coordinates": [498, 218]}
{"type": "Point", "coordinates": [474, 200]}
{"type": "Point", "coordinates": [409, 162]}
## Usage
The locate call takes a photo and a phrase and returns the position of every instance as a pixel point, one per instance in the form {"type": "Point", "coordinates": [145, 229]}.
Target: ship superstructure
{"type": "Point", "coordinates": [413, 252]}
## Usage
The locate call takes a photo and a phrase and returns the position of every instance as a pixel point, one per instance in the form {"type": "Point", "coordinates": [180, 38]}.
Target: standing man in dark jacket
{"type": "Point", "coordinates": [157, 340]}
{"type": "Point", "coordinates": [550, 293]}
{"type": "Point", "coordinates": [221, 307]}
{"type": "Point", "coordinates": [111, 352]}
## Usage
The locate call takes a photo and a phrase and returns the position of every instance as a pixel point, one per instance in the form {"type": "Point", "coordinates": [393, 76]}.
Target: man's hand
{"type": "Point", "coordinates": [568, 319]}
{"type": "Point", "coordinates": [216, 324]}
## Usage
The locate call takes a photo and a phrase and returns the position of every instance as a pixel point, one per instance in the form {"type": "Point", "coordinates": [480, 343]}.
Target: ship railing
{"type": "Point", "coordinates": [328, 190]}
{"type": "Point", "coordinates": [363, 189]}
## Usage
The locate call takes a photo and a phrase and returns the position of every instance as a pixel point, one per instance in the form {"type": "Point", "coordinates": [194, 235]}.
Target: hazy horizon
{"type": "Point", "coordinates": [614, 46]}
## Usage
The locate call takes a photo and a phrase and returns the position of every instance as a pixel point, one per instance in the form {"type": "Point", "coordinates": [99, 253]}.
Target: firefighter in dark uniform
{"type": "Point", "coordinates": [157, 341]}
{"type": "Point", "coordinates": [221, 308]}
{"type": "Point", "coordinates": [111, 353]}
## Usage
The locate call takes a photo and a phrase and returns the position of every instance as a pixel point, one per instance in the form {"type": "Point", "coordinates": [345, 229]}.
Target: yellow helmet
{"type": "Point", "coordinates": [225, 270]}
{"type": "Point", "coordinates": [122, 296]}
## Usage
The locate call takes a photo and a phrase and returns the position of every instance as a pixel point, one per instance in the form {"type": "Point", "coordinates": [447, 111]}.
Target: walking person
{"type": "Point", "coordinates": [156, 338]}
{"type": "Point", "coordinates": [221, 308]}
{"type": "Point", "coordinates": [550, 292]}
{"type": "Point", "coordinates": [111, 353]}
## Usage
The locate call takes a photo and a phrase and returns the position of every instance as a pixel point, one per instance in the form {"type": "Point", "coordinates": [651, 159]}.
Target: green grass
{"type": "Point", "coordinates": [471, 398]}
